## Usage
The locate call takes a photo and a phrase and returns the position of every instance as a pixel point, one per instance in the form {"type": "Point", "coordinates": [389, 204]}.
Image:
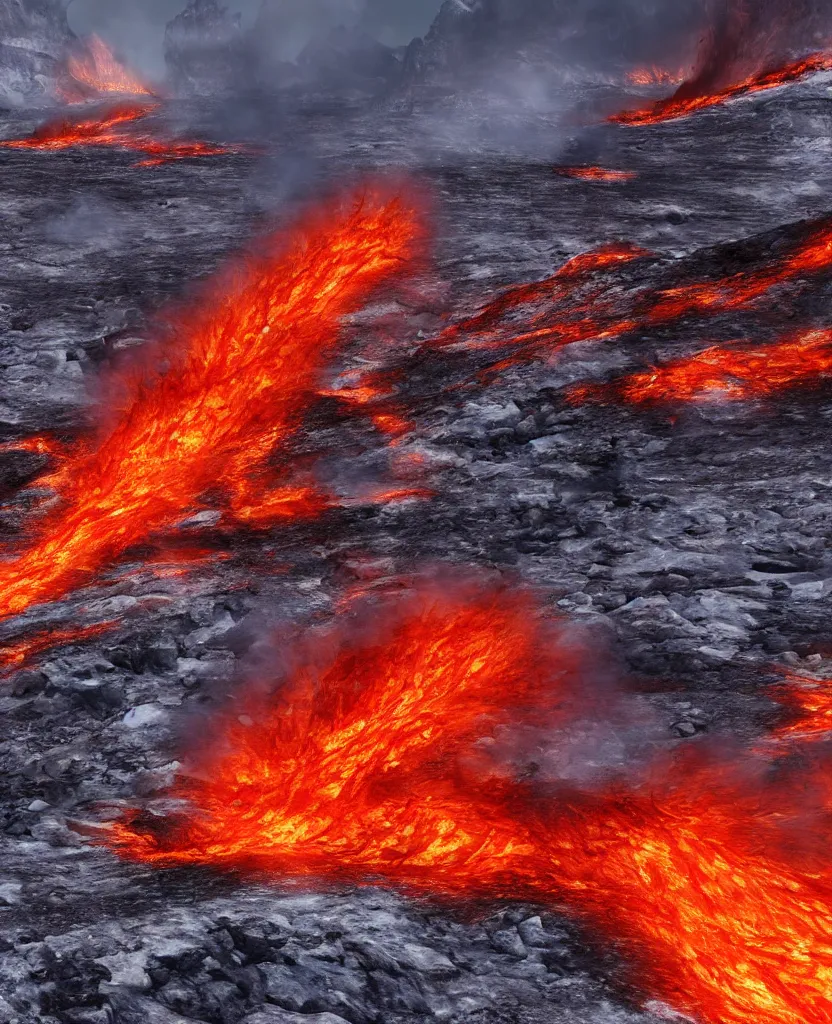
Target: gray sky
{"type": "Point", "coordinates": [136, 27]}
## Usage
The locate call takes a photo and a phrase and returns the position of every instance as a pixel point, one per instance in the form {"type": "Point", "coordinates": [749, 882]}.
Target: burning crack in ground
{"type": "Point", "coordinates": [375, 763]}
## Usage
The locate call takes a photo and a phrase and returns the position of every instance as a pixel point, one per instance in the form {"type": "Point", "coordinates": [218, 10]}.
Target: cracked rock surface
{"type": "Point", "coordinates": [694, 541]}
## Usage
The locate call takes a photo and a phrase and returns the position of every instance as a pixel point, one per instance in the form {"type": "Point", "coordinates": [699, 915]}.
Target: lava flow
{"type": "Point", "coordinates": [652, 75]}
{"type": "Point", "coordinates": [375, 767]}
{"type": "Point", "coordinates": [226, 390]}
{"type": "Point", "coordinates": [95, 70]}
{"type": "Point", "coordinates": [107, 129]}
{"type": "Point", "coordinates": [594, 174]}
{"type": "Point", "coordinates": [727, 373]}
{"type": "Point", "coordinates": [686, 101]}
{"type": "Point", "coordinates": [578, 303]}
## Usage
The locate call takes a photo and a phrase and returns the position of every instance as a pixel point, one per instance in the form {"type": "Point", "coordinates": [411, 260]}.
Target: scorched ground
{"type": "Point", "coordinates": [678, 515]}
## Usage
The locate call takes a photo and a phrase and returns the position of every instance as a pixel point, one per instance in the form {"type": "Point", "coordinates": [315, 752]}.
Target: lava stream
{"type": "Point", "coordinates": [728, 373]}
{"type": "Point", "coordinates": [652, 75]}
{"type": "Point", "coordinates": [236, 375]}
{"type": "Point", "coordinates": [375, 766]}
{"type": "Point", "coordinates": [595, 174]}
{"type": "Point", "coordinates": [575, 304]}
{"type": "Point", "coordinates": [108, 129]}
{"type": "Point", "coordinates": [683, 103]}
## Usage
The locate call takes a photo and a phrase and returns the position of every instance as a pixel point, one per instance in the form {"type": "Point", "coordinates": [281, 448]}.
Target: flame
{"type": "Point", "coordinates": [238, 372]}
{"type": "Point", "coordinates": [374, 767]}
{"type": "Point", "coordinates": [654, 76]}
{"type": "Point", "coordinates": [595, 174]}
{"type": "Point", "coordinates": [728, 373]}
{"type": "Point", "coordinates": [683, 103]}
{"type": "Point", "coordinates": [97, 71]}
{"type": "Point", "coordinates": [106, 129]}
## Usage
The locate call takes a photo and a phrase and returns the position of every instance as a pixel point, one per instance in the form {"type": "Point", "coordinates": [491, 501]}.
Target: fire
{"type": "Point", "coordinates": [108, 129]}
{"type": "Point", "coordinates": [225, 390]}
{"type": "Point", "coordinates": [654, 76]}
{"type": "Point", "coordinates": [97, 70]}
{"type": "Point", "coordinates": [595, 174]}
{"type": "Point", "coordinates": [728, 373]}
{"type": "Point", "coordinates": [374, 766]}
{"type": "Point", "coordinates": [688, 101]}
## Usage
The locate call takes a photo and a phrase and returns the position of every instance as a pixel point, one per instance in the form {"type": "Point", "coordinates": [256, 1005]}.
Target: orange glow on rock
{"type": "Point", "coordinates": [224, 392]}
{"type": "Point", "coordinates": [683, 105]}
{"type": "Point", "coordinates": [655, 76]}
{"type": "Point", "coordinates": [375, 768]}
{"type": "Point", "coordinates": [595, 174]}
{"type": "Point", "coordinates": [19, 653]}
{"type": "Point", "coordinates": [578, 302]}
{"type": "Point", "coordinates": [727, 373]}
{"type": "Point", "coordinates": [107, 129]}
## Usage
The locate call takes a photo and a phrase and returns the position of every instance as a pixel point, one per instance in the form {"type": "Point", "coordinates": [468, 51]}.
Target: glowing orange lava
{"type": "Point", "coordinates": [728, 373]}
{"type": "Point", "coordinates": [654, 76]}
{"type": "Point", "coordinates": [595, 174]}
{"type": "Point", "coordinates": [577, 303]}
{"type": "Point", "coordinates": [811, 701]}
{"type": "Point", "coordinates": [107, 129]}
{"type": "Point", "coordinates": [97, 71]}
{"type": "Point", "coordinates": [375, 766]}
{"type": "Point", "coordinates": [682, 105]}
{"type": "Point", "coordinates": [20, 653]}
{"type": "Point", "coordinates": [238, 372]}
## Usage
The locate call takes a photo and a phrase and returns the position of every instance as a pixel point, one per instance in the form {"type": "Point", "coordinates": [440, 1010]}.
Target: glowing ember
{"type": "Point", "coordinates": [731, 373]}
{"type": "Point", "coordinates": [96, 70]}
{"type": "Point", "coordinates": [595, 174]}
{"type": "Point", "coordinates": [240, 369]}
{"type": "Point", "coordinates": [686, 101]}
{"type": "Point", "coordinates": [376, 767]}
{"type": "Point", "coordinates": [107, 129]}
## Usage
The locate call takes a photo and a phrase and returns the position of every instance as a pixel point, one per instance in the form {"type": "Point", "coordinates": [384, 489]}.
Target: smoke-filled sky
{"type": "Point", "coordinates": [136, 27]}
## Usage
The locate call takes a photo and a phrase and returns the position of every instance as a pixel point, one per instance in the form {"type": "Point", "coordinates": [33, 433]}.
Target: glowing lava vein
{"type": "Point", "coordinates": [686, 100]}
{"type": "Point", "coordinates": [107, 128]}
{"type": "Point", "coordinates": [236, 375]}
{"type": "Point", "coordinates": [374, 767]}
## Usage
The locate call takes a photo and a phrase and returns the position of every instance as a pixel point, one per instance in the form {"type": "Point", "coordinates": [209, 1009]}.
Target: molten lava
{"type": "Point", "coordinates": [730, 373]}
{"type": "Point", "coordinates": [225, 391]}
{"type": "Point", "coordinates": [810, 700]}
{"type": "Point", "coordinates": [653, 75]}
{"type": "Point", "coordinates": [375, 766]}
{"type": "Point", "coordinates": [96, 70]}
{"type": "Point", "coordinates": [107, 129]}
{"type": "Point", "coordinates": [578, 303]}
{"type": "Point", "coordinates": [687, 101]}
{"type": "Point", "coordinates": [595, 174]}
{"type": "Point", "coordinates": [19, 653]}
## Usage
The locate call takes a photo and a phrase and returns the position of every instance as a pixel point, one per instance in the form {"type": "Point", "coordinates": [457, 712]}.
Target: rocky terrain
{"type": "Point", "coordinates": [691, 541]}
{"type": "Point", "coordinates": [34, 37]}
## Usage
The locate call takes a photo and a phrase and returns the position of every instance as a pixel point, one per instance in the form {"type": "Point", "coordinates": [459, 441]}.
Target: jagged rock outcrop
{"type": "Point", "coordinates": [346, 58]}
{"type": "Point", "coordinates": [206, 51]}
{"type": "Point", "coordinates": [34, 39]}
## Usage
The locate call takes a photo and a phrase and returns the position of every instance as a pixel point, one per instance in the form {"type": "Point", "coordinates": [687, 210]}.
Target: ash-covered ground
{"type": "Point", "coordinates": [691, 541]}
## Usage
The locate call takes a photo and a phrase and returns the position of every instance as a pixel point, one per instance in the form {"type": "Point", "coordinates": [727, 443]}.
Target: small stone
{"type": "Point", "coordinates": [144, 715]}
{"type": "Point", "coordinates": [27, 682]}
{"type": "Point", "coordinates": [38, 805]}
{"type": "Point", "coordinates": [685, 729]}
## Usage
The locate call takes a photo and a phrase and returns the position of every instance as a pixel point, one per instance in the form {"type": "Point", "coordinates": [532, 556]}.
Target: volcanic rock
{"type": "Point", "coordinates": [205, 50]}
{"type": "Point", "coordinates": [34, 41]}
